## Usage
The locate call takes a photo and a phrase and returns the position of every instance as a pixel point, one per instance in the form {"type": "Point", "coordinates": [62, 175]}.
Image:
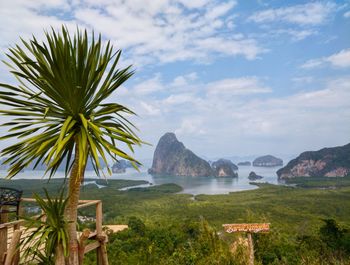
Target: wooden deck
{"type": "Point", "coordinates": [96, 240]}
{"type": "Point", "coordinates": [116, 228]}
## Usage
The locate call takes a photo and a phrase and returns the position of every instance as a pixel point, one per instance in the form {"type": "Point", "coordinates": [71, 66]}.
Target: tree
{"type": "Point", "coordinates": [58, 110]}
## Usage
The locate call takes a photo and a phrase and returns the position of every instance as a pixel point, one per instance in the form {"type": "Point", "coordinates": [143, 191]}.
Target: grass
{"type": "Point", "coordinates": [320, 182]}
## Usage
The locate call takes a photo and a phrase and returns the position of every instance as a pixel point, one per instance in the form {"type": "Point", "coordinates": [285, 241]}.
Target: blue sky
{"type": "Point", "coordinates": [228, 77]}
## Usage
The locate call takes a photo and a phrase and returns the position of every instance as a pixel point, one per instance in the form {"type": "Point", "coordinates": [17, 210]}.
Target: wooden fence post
{"type": "Point", "coordinates": [251, 249]}
{"type": "Point", "coordinates": [16, 257]}
{"type": "Point", "coordinates": [99, 219]}
{"type": "Point", "coordinates": [3, 236]}
{"type": "Point", "coordinates": [13, 248]}
{"type": "Point", "coordinates": [102, 256]}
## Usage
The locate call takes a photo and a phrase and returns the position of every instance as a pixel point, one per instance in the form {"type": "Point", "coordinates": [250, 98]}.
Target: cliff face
{"type": "Point", "coordinates": [171, 157]}
{"type": "Point", "coordinates": [327, 162]}
{"type": "Point", "coordinates": [224, 168]}
{"type": "Point", "coordinates": [267, 161]}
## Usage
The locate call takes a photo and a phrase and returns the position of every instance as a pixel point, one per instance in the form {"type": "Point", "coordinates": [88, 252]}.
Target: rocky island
{"type": "Point", "coordinates": [171, 157]}
{"type": "Point", "coordinates": [224, 168]}
{"type": "Point", "coordinates": [254, 176]}
{"type": "Point", "coordinates": [121, 166]}
{"type": "Point", "coordinates": [245, 163]}
{"type": "Point", "coordinates": [327, 162]}
{"type": "Point", "coordinates": [267, 161]}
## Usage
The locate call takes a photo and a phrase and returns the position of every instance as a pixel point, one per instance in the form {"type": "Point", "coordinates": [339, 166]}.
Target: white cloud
{"type": "Point", "coordinates": [298, 122]}
{"type": "Point", "coordinates": [296, 34]}
{"type": "Point", "coordinates": [21, 18]}
{"type": "Point", "coordinates": [217, 11]}
{"type": "Point", "coordinates": [303, 79]}
{"type": "Point", "coordinates": [304, 14]}
{"type": "Point", "coordinates": [313, 63]}
{"type": "Point", "coordinates": [191, 126]}
{"type": "Point", "coordinates": [251, 124]}
{"type": "Point", "coordinates": [149, 86]}
{"type": "Point", "coordinates": [237, 87]}
{"type": "Point", "coordinates": [176, 99]}
{"type": "Point", "coordinates": [194, 3]}
{"type": "Point", "coordinates": [152, 31]}
{"type": "Point", "coordinates": [297, 22]}
{"type": "Point", "coordinates": [168, 31]}
{"type": "Point", "coordinates": [339, 60]}
{"type": "Point", "coordinates": [183, 80]}
{"type": "Point", "coordinates": [347, 14]}
{"type": "Point", "coordinates": [232, 46]}
{"type": "Point", "coordinates": [149, 109]}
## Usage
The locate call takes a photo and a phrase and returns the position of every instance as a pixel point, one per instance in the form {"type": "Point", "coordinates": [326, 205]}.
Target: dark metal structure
{"type": "Point", "coordinates": [10, 199]}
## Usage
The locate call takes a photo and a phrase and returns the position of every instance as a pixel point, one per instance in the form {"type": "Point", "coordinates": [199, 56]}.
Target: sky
{"type": "Point", "coordinates": [230, 78]}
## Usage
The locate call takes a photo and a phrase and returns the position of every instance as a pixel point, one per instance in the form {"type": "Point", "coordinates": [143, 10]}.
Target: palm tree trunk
{"type": "Point", "coordinates": [72, 207]}
{"type": "Point", "coordinates": [59, 255]}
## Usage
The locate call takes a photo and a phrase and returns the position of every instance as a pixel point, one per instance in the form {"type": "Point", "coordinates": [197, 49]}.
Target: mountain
{"type": "Point", "coordinates": [267, 161]}
{"type": "Point", "coordinates": [121, 166]}
{"type": "Point", "coordinates": [224, 168]}
{"type": "Point", "coordinates": [171, 157]}
{"type": "Point", "coordinates": [327, 162]}
{"type": "Point", "coordinates": [245, 163]}
{"type": "Point", "coordinates": [254, 176]}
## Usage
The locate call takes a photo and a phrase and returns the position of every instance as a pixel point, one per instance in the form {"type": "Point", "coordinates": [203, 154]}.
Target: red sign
{"type": "Point", "coordinates": [251, 228]}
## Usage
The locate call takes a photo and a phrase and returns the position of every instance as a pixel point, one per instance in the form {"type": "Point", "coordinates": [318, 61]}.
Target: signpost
{"type": "Point", "coordinates": [249, 229]}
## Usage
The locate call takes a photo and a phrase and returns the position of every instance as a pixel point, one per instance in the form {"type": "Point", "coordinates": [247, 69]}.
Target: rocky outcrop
{"type": "Point", "coordinates": [121, 166]}
{"type": "Point", "coordinates": [254, 176]}
{"type": "Point", "coordinates": [171, 157]}
{"type": "Point", "coordinates": [224, 168]}
{"type": "Point", "coordinates": [245, 163]}
{"type": "Point", "coordinates": [267, 161]}
{"type": "Point", "coordinates": [327, 162]}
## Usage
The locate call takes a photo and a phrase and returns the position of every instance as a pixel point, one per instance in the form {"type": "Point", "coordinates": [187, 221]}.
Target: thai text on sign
{"type": "Point", "coordinates": [251, 228]}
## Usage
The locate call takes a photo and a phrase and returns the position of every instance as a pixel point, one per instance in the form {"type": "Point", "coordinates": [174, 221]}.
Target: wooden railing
{"type": "Point", "coordinates": [10, 255]}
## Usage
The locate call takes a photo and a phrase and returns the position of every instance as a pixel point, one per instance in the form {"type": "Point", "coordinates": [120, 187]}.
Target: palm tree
{"type": "Point", "coordinates": [59, 112]}
{"type": "Point", "coordinates": [50, 231]}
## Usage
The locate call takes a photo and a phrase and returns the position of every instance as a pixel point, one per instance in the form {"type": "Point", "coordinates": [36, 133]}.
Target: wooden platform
{"type": "Point", "coordinates": [10, 236]}
{"type": "Point", "coordinates": [116, 228]}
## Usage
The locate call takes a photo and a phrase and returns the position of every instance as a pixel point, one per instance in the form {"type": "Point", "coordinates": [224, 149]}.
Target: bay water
{"type": "Point", "coordinates": [190, 185]}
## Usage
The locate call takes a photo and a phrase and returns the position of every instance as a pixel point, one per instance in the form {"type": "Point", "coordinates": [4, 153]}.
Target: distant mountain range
{"type": "Point", "coordinates": [42, 167]}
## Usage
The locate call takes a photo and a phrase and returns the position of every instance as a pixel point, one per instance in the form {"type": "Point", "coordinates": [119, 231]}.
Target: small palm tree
{"type": "Point", "coordinates": [50, 231]}
{"type": "Point", "coordinates": [59, 111]}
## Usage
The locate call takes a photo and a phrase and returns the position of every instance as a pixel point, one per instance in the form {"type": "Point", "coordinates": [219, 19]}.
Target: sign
{"type": "Point", "coordinates": [250, 228]}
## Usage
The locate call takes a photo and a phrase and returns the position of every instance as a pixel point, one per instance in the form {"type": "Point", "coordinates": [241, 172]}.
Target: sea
{"type": "Point", "coordinates": [190, 185]}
